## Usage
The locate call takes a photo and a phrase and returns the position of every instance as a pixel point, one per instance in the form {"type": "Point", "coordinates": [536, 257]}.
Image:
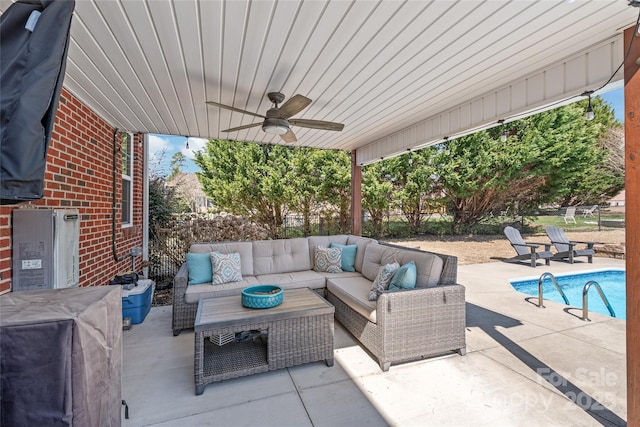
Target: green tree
{"type": "Point", "coordinates": [248, 179]}
{"type": "Point", "coordinates": [321, 180]}
{"type": "Point", "coordinates": [415, 185]}
{"type": "Point", "coordinates": [376, 195]}
{"type": "Point", "coordinates": [163, 201]}
{"type": "Point", "coordinates": [178, 162]}
{"type": "Point", "coordinates": [335, 187]}
{"type": "Point", "coordinates": [306, 178]}
{"type": "Point", "coordinates": [476, 174]}
{"type": "Point", "coordinates": [604, 177]}
{"type": "Point", "coordinates": [551, 157]}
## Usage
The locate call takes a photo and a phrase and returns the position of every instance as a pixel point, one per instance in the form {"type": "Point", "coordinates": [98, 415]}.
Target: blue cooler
{"type": "Point", "coordinates": [136, 302]}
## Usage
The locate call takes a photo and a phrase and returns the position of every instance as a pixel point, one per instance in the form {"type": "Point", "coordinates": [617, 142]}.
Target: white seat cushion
{"type": "Point", "coordinates": [340, 275]}
{"type": "Point", "coordinates": [295, 279]}
{"type": "Point", "coordinates": [207, 290]}
{"type": "Point", "coordinates": [354, 291]}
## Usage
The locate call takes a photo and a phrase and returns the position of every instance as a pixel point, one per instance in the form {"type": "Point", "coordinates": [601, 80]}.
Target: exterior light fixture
{"type": "Point", "coordinates": [505, 135]}
{"type": "Point", "coordinates": [187, 142]}
{"type": "Point", "coordinates": [589, 115]}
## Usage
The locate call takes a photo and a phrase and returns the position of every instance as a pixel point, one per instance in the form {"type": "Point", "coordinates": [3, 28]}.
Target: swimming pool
{"type": "Point", "coordinates": [612, 282]}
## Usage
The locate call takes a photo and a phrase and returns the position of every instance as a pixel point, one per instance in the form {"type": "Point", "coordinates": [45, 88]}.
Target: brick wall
{"type": "Point", "coordinates": [79, 175]}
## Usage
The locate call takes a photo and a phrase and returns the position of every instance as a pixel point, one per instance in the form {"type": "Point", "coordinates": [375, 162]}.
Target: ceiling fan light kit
{"type": "Point", "coordinates": [275, 126]}
{"type": "Point", "coordinates": [276, 123]}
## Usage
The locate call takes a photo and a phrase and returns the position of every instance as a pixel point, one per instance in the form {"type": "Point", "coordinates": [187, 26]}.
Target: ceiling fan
{"type": "Point", "coordinates": [277, 121]}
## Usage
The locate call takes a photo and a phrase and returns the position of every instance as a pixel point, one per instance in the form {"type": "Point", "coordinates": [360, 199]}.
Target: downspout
{"type": "Point", "coordinates": [145, 202]}
{"type": "Point", "coordinates": [113, 204]}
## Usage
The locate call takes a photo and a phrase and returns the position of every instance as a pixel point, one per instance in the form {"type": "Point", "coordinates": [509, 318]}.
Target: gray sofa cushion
{"type": "Point", "coordinates": [245, 249]}
{"type": "Point", "coordinates": [361, 243]}
{"type": "Point", "coordinates": [428, 266]}
{"type": "Point", "coordinates": [295, 279]}
{"type": "Point", "coordinates": [354, 291]}
{"type": "Point", "coordinates": [372, 261]}
{"type": "Point", "coordinates": [207, 290]}
{"type": "Point", "coordinates": [280, 256]}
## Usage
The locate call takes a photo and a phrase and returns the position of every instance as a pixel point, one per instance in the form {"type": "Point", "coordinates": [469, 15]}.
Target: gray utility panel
{"type": "Point", "coordinates": [46, 249]}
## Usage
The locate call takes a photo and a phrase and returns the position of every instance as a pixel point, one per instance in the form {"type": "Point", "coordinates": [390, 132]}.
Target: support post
{"type": "Point", "coordinates": [356, 196]}
{"type": "Point", "coordinates": [632, 220]}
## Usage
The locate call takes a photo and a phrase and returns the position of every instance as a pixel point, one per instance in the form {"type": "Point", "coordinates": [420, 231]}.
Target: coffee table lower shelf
{"type": "Point", "coordinates": [233, 360]}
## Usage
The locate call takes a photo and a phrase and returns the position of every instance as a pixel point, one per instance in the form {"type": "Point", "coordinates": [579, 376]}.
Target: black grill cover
{"type": "Point", "coordinates": [32, 65]}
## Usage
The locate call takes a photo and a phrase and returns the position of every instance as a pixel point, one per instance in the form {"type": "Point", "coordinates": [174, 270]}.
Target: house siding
{"type": "Point", "coordinates": [79, 175]}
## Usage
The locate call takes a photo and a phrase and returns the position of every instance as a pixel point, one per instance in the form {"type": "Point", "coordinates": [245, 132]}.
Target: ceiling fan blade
{"type": "Point", "coordinates": [293, 106]}
{"type": "Point", "coordinates": [316, 124]}
{"type": "Point", "coordinates": [228, 107]}
{"type": "Point", "coordinates": [252, 125]}
{"type": "Point", "coordinates": [289, 137]}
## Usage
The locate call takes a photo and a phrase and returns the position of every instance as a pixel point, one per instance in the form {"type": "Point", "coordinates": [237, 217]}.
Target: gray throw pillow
{"type": "Point", "coordinates": [381, 282]}
{"type": "Point", "coordinates": [225, 268]}
{"type": "Point", "coordinates": [328, 260]}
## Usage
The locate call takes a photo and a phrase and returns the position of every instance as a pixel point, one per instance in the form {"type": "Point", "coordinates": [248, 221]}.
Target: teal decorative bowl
{"type": "Point", "coordinates": [262, 296]}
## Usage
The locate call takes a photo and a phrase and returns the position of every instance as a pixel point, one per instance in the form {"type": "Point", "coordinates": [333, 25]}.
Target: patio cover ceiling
{"type": "Point", "coordinates": [399, 75]}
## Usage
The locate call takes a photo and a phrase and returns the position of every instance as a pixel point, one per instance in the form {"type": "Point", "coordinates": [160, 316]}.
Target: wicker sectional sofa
{"type": "Point", "coordinates": [400, 326]}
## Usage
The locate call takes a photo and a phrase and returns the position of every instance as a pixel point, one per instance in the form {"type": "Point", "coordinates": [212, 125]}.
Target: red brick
{"type": "Point", "coordinates": [78, 173]}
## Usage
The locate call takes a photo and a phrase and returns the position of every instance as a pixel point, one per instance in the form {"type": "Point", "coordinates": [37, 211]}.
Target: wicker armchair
{"type": "Point", "coordinates": [184, 314]}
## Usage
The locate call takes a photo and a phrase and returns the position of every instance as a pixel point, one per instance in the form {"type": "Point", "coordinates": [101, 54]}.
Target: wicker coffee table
{"type": "Point", "coordinates": [300, 330]}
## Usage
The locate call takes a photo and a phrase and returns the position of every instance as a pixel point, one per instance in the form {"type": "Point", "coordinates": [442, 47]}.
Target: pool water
{"type": "Point", "coordinates": [611, 281]}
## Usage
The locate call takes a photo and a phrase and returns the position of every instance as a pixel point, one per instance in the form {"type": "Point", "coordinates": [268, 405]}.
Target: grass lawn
{"type": "Point", "coordinates": [589, 223]}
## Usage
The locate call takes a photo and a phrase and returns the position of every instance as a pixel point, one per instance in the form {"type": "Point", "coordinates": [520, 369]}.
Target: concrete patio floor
{"type": "Point", "coordinates": [524, 366]}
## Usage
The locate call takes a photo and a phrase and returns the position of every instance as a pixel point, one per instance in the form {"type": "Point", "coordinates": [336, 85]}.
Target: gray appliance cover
{"type": "Point", "coordinates": [61, 357]}
{"type": "Point", "coordinates": [34, 36]}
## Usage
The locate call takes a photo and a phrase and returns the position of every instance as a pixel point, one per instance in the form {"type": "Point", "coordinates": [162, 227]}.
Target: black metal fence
{"type": "Point", "coordinates": [166, 255]}
{"type": "Point", "coordinates": [319, 225]}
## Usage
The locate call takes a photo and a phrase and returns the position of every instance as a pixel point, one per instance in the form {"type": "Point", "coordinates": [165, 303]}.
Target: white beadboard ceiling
{"type": "Point", "coordinates": [398, 74]}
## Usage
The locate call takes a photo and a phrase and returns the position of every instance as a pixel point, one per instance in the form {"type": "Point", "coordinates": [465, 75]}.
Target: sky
{"type": "Point", "coordinates": [173, 144]}
{"type": "Point", "coordinates": [615, 98]}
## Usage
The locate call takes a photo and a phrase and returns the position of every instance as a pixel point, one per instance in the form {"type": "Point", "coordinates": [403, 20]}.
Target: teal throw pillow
{"type": "Point", "coordinates": [199, 266]}
{"type": "Point", "coordinates": [405, 277]}
{"type": "Point", "coordinates": [348, 261]}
